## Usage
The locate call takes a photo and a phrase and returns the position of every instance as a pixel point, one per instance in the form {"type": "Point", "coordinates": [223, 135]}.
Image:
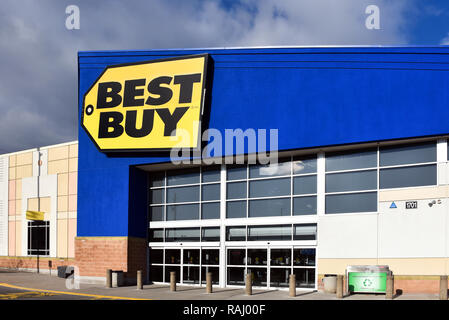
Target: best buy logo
{"type": "Point", "coordinates": [144, 106]}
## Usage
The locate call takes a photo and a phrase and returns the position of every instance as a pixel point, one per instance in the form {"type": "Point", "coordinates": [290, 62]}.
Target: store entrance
{"type": "Point", "coordinates": [271, 266]}
{"type": "Point", "coordinates": [191, 264]}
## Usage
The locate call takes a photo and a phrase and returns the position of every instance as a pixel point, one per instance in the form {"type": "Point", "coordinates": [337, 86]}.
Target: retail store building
{"type": "Point", "coordinates": [362, 176]}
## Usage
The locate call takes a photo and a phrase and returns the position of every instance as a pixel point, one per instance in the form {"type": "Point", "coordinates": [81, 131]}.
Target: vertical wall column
{"type": "Point", "coordinates": [222, 267]}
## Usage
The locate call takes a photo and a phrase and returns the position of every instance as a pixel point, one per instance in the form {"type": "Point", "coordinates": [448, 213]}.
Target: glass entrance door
{"type": "Point", "coordinates": [271, 266]}
{"type": "Point", "coordinates": [190, 264]}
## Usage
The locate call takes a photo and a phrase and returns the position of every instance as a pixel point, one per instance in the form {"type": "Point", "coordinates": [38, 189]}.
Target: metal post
{"type": "Point", "coordinates": [139, 280]}
{"type": "Point", "coordinates": [443, 287]}
{"type": "Point", "coordinates": [292, 285]}
{"type": "Point", "coordinates": [108, 278]}
{"type": "Point", "coordinates": [209, 282]}
{"type": "Point", "coordinates": [339, 286]}
{"type": "Point", "coordinates": [172, 281]}
{"type": "Point", "coordinates": [389, 288]}
{"type": "Point", "coordinates": [249, 284]}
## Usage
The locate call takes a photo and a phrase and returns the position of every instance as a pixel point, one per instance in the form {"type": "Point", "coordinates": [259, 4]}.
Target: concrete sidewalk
{"type": "Point", "coordinates": [36, 282]}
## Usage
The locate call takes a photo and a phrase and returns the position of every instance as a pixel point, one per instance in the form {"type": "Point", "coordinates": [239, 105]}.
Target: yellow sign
{"type": "Point", "coordinates": [147, 106]}
{"type": "Point", "coordinates": [35, 215]}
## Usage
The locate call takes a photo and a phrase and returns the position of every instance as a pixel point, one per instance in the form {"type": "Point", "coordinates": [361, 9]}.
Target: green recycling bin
{"type": "Point", "coordinates": [367, 279]}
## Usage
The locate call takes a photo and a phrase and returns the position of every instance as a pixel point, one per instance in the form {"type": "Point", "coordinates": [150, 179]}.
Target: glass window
{"type": "Point", "coordinates": [304, 232]}
{"type": "Point", "coordinates": [215, 274]}
{"type": "Point", "coordinates": [156, 255]}
{"type": "Point", "coordinates": [186, 176]}
{"type": "Point", "coordinates": [38, 237]}
{"type": "Point", "coordinates": [157, 196]}
{"type": "Point", "coordinates": [210, 256]}
{"type": "Point", "coordinates": [304, 185]}
{"type": "Point", "coordinates": [351, 160]}
{"type": "Point", "coordinates": [176, 270]}
{"type": "Point", "coordinates": [236, 172]}
{"type": "Point", "coordinates": [305, 278]}
{"type": "Point", "coordinates": [210, 210]}
{"type": "Point", "coordinates": [183, 194]}
{"type": "Point", "coordinates": [172, 256]}
{"type": "Point", "coordinates": [157, 213]}
{"type": "Point", "coordinates": [269, 187]}
{"type": "Point", "coordinates": [210, 234]}
{"type": "Point", "coordinates": [235, 233]}
{"type": "Point", "coordinates": [257, 257]}
{"type": "Point", "coordinates": [157, 179]}
{"type": "Point", "coordinates": [236, 209]}
{"type": "Point", "coordinates": [269, 233]}
{"type": "Point", "coordinates": [269, 207]}
{"type": "Point", "coordinates": [210, 192]}
{"type": "Point", "coordinates": [351, 181]}
{"type": "Point", "coordinates": [279, 277]}
{"type": "Point", "coordinates": [191, 256]}
{"type": "Point", "coordinates": [156, 273]}
{"type": "Point", "coordinates": [236, 190]}
{"type": "Point", "coordinates": [156, 235]}
{"type": "Point", "coordinates": [354, 202]}
{"type": "Point", "coordinates": [210, 174]}
{"type": "Point", "coordinates": [183, 212]}
{"type": "Point", "coordinates": [304, 205]}
{"type": "Point", "coordinates": [408, 176]}
{"type": "Point", "coordinates": [408, 154]}
{"type": "Point", "coordinates": [281, 257]}
{"type": "Point", "coordinates": [182, 234]}
{"type": "Point", "coordinates": [191, 274]}
{"type": "Point", "coordinates": [270, 170]}
{"type": "Point", "coordinates": [236, 276]}
{"type": "Point", "coordinates": [259, 276]}
{"type": "Point", "coordinates": [304, 257]}
{"type": "Point", "coordinates": [302, 165]}
{"type": "Point", "coordinates": [236, 257]}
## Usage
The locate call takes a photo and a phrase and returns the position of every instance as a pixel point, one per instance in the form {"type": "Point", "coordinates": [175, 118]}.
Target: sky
{"type": "Point", "coordinates": [38, 78]}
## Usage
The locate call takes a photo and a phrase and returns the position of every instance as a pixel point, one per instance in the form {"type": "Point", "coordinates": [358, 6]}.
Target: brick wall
{"type": "Point", "coordinates": [17, 263]}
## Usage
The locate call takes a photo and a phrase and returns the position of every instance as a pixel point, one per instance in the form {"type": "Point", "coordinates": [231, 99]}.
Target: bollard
{"type": "Point", "coordinates": [292, 285]}
{"type": "Point", "coordinates": [339, 286]}
{"type": "Point", "coordinates": [249, 284]}
{"type": "Point", "coordinates": [390, 287]}
{"type": "Point", "coordinates": [108, 278]}
{"type": "Point", "coordinates": [443, 287]}
{"type": "Point", "coordinates": [172, 281]}
{"type": "Point", "coordinates": [209, 282]}
{"type": "Point", "coordinates": [139, 280]}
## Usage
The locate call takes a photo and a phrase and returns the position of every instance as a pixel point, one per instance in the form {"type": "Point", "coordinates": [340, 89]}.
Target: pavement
{"type": "Point", "coordinates": [15, 285]}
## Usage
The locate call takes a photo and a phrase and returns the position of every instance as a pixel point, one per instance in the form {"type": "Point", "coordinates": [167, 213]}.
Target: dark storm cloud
{"type": "Point", "coordinates": [38, 81]}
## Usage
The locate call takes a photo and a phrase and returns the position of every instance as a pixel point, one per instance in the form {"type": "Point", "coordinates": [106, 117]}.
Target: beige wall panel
{"type": "Point", "coordinates": [11, 207]}
{"type": "Point", "coordinates": [63, 215]}
{"type": "Point", "coordinates": [58, 166]}
{"type": "Point", "coordinates": [12, 173]}
{"type": "Point", "coordinates": [73, 181]}
{"type": "Point", "coordinates": [62, 238]}
{"type": "Point", "coordinates": [58, 153]}
{"type": "Point", "coordinates": [18, 189]}
{"type": "Point", "coordinates": [71, 238]}
{"type": "Point", "coordinates": [73, 164]}
{"type": "Point", "coordinates": [24, 158]}
{"type": "Point", "coordinates": [18, 207]}
{"type": "Point", "coordinates": [63, 184]}
{"type": "Point", "coordinates": [12, 238]}
{"type": "Point", "coordinates": [414, 193]}
{"type": "Point", "coordinates": [24, 171]}
{"type": "Point", "coordinates": [19, 238]}
{"type": "Point", "coordinates": [12, 160]}
{"type": "Point", "coordinates": [338, 266]}
{"type": "Point", "coordinates": [45, 204]}
{"type": "Point", "coordinates": [12, 190]}
{"type": "Point", "coordinates": [63, 203]}
{"type": "Point", "coordinates": [73, 203]}
{"type": "Point", "coordinates": [73, 150]}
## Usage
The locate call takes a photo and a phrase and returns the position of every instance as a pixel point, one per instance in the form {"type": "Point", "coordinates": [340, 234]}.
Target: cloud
{"type": "Point", "coordinates": [38, 82]}
{"type": "Point", "coordinates": [445, 40]}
